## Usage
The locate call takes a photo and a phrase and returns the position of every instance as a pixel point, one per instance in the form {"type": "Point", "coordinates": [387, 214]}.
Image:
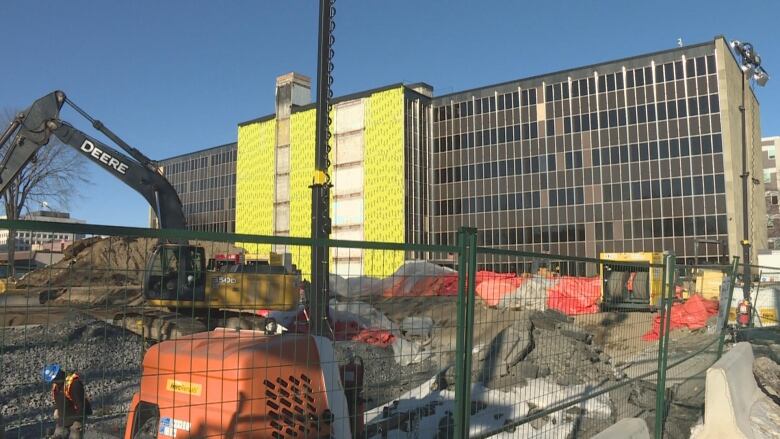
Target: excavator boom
{"type": "Point", "coordinates": [35, 126]}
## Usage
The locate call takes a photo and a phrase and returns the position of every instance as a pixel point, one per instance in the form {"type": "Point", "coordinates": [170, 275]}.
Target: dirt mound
{"type": "Point", "coordinates": [96, 261]}
{"type": "Point", "coordinates": [113, 261]}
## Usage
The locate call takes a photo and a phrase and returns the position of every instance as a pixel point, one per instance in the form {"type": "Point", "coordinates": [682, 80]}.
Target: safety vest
{"type": "Point", "coordinates": [69, 380]}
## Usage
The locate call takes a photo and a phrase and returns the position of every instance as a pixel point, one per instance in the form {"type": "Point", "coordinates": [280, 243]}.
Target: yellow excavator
{"type": "Point", "coordinates": [176, 276]}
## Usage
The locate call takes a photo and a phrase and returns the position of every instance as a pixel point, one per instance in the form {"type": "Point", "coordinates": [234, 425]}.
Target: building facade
{"type": "Point", "coordinates": [48, 241]}
{"type": "Point", "coordinates": [206, 183]}
{"type": "Point", "coordinates": [637, 154]}
{"type": "Point", "coordinates": [378, 170]}
{"type": "Point", "coordinates": [640, 154]}
{"type": "Point", "coordinates": [769, 148]}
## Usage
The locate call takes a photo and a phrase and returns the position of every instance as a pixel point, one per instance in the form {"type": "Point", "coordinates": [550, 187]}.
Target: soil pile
{"type": "Point", "coordinates": [113, 261]}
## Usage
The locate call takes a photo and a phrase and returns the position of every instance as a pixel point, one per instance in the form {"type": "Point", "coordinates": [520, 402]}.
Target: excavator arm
{"type": "Point", "coordinates": [35, 126]}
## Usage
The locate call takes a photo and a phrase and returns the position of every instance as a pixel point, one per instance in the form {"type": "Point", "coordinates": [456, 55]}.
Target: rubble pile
{"type": "Point", "coordinates": [767, 373]}
{"type": "Point", "coordinates": [384, 379]}
{"type": "Point", "coordinates": [542, 345]}
{"type": "Point", "coordinates": [107, 358]}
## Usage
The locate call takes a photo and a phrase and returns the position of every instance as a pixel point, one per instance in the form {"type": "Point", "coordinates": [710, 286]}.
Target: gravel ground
{"type": "Point", "coordinates": [546, 345]}
{"type": "Point", "coordinates": [106, 357]}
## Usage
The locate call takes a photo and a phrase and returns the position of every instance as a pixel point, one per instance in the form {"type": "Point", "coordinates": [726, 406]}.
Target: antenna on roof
{"type": "Point", "coordinates": [679, 42]}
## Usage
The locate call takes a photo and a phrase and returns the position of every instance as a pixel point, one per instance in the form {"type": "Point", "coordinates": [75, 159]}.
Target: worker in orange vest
{"type": "Point", "coordinates": [71, 405]}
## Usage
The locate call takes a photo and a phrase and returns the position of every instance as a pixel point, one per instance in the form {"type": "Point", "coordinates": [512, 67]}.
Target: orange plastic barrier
{"type": "Point", "coordinates": [491, 287]}
{"type": "Point", "coordinates": [692, 314]}
{"type": "Point", "coordinates": [575, 295]}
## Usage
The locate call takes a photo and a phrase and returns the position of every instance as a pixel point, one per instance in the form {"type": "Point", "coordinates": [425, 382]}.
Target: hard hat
{"type": "Point", "coordinates": [50, 372]}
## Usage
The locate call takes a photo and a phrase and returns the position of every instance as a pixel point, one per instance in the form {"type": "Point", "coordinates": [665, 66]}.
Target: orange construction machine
{"type": "Point", "coordinates": [245, 384]}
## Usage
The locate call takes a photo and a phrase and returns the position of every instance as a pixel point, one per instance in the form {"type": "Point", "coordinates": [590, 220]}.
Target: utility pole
{"type": "Point", "coordinates": [751, 69]}
{"type": "Point", "coordinates": [319, 293]}
{"type": "Point", "coordinates": [746, 275]}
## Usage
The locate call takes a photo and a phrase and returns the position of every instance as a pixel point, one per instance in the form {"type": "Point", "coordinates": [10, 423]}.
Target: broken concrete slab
{"type": "Point", "coordinates": [628, 428]}
{"type": "Point", "coordinates": [417, 326]}
{"type": "Point", "coordinates": [767, 374]}
{"type": "Point", "coordinates": [408, 352]}
{"type": "Point", "coordinates": [507, 348]}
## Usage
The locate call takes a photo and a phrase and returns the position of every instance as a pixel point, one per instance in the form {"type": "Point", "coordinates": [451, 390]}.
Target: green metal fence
{"type": "Point", "coordinates": [562, 346]}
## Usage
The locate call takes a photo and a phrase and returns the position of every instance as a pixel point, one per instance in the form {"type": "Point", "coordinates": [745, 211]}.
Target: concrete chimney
{"type": "Point", "coordinates": [291, 89]}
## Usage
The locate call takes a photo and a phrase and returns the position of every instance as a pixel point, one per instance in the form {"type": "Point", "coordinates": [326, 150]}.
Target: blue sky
{"type": "Point", "coordinates": [175, 76]}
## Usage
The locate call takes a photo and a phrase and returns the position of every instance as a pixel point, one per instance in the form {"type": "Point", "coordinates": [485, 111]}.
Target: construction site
{"type": "Point", "coordinates": [538, 341]}
{"type": "Point", "coordinates": [375, 296]}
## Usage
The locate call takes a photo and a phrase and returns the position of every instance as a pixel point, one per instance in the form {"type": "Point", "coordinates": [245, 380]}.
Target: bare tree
{"type": "Point", "coordinates": [52, 177]}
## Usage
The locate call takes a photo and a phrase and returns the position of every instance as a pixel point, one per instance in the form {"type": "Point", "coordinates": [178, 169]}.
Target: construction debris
{"type": "Point", "coordinates": [416, 326]}
{"type": "Point", "coordinates": [531, 347]}
{"type": "Point", "coordinates": [362, 316]}
{"type": "Point", "coordinates": [429, 410]}
{"type": "Point", "coordinates": [767, 374]}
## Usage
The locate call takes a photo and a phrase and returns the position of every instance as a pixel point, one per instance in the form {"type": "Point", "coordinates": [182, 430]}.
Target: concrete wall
{"type": "Point", "coordinates": [730, 78]}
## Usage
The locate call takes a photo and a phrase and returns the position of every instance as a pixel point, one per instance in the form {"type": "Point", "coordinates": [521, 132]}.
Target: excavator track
{"type": "Point", "coordinates": [160, 324]}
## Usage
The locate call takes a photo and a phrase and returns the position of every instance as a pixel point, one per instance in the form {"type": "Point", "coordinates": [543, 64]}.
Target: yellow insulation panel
{"type": "Point", "coordinates": [384, 182]}
{"type": "Point", "coordinates": [255, 182]}
{"type": "Point", "coordinates": [302, 147]}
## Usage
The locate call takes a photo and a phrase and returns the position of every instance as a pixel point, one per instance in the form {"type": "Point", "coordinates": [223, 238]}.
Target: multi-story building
{"type": "Point", "coordinates": [50, 241]}
{"type": "Point", "coordinates": [769, 148]}
{"type": "Point", "coordinates": [206, 183]}
{"type": "Point", "coordinates": [379, 170]}
{"type": "Point", "coordinates": [637, 154]}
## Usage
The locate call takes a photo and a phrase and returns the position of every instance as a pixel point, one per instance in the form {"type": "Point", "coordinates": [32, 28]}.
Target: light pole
{"type": "Point", "coordinates": [751, 69]}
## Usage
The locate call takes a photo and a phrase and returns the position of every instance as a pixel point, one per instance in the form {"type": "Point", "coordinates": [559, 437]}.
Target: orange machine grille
{"type": "Point", "coordinates": [291, 407]}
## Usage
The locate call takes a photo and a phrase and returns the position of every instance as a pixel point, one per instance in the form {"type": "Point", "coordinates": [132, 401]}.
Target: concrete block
{"type": "Point", "coordinates": [626, 428]}
{"type": "Point", "coordinates": [734, 406]}
{"type": "Point", "coordinates": [507, 348]}
{"type": "Point", "coordinates": [417, 326]}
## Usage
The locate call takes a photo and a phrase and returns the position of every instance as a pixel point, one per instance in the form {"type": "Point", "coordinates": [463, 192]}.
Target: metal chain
{"type": "Point", "coordinates": [328, 134]}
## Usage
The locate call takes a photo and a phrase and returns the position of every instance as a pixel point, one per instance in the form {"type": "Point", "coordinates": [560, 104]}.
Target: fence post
{"type": "Point", "coordinates": [667, 293]}
{"type": "Point", "coordinates": [723, 313]}
{"type": "Point", "coordinates": [460, 339]}
{"type": "Point", "coordinates": [468, 348]}
{"type": "Point", "coordinates": [467, 268]}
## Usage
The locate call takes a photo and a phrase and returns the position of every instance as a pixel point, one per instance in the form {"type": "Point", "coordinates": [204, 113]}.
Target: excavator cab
{"type": "Point", "coordinates": [176, 272]}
